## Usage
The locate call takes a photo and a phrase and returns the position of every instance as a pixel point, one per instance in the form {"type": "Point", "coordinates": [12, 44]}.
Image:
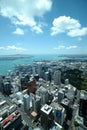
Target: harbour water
{"type": "Point", "coordinates": [8, 64]}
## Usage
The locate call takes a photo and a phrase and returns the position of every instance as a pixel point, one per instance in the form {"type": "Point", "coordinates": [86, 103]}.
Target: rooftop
{"type": "Point", "coordinates": [34, 114]}
{"type": "Point", "coordinates": [56, 106]}
{"type": "Point", "coordinates": [65, 101]}
{"type": "Point", "coordinates": [26, 96]}
{"type": "Point", "coordinates": [83, 94]}
{"type": "Point", "coordinates": [46, 109]}
{"type": "Point", "coordinates": [10, 118]}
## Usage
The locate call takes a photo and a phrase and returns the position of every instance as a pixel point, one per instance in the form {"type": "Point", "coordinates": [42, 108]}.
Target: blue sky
{"type": "Point", "coordinates": [43, 27]}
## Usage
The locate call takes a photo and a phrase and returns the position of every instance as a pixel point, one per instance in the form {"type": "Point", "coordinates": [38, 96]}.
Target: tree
{"type": "Point", "coordinates": [76, 123]}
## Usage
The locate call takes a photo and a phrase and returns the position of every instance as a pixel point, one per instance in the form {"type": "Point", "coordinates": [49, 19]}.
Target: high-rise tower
{"type": "Point", "coordinates": [26, 100]}
{"type": "Point", "coordinates": [83, 106]}
{"type": "Point", "coordinates": [57, 77]}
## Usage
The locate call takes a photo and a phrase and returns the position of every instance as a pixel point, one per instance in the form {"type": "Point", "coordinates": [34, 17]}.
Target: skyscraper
{"type": "Point", "coordinates": [83, 106]}
{"type": "Point", "coordinates": [26, 100]}
{"type": "Point", "coordinates": [43, 93]}
{"type": "Point", "coordinates": [46, 116]}
{"type": "Point", "coordinates": [39, 69]}
{"type": "Point", "coordinates": [7, 88]}
{"type": "Point", "coordinates": [36, 103]}
{"type": "Point", "coordinates": [60, 95]}
{"type": "Point", "coordinates": [57, 77]}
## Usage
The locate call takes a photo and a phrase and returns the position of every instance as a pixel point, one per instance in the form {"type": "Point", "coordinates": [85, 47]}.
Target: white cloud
{"type": "Point", "coordinates": [13, 47]}
{"type": "Point", "coordinates": [37, 29]}
{"type": "Point", "coordinates": [24, 12]}
{"type": "Point", "coordinates": [71, 47]}
{"type": "Point", "coordinates": [68, 25]}
{"type": "Point", "coordinates": [19, 31]}
{"type": "Point", "coordinates": [78, 32]}
{"type": "Point", "coordinates": [2, 48]}
{"type": "Point", "coordinates": [60, 47]}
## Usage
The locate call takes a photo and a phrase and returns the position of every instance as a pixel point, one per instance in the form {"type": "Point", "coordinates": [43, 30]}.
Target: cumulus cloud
{"type": "Point", "coordinates": [19, 31]}
{"type": "Point", "coordinates": [78, 32]}
{"type": "Point", "coordinates": [64, 47]}
{"type": "Point", "coordinates": [24, 12]}
{"type": "Point", "coordinates": [68, 25]}
{"type": "Point", "coordinates": [13, 47]}
{"type": "Point", "coordinates": [37, 29]}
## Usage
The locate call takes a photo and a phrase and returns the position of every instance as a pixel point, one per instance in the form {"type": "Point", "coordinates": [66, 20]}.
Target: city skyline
{"type": "Point", "coordinates": [43, 27]}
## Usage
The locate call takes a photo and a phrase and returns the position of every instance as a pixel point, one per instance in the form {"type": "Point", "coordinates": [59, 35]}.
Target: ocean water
{"type": "Point", "coordinates": [6, 65]}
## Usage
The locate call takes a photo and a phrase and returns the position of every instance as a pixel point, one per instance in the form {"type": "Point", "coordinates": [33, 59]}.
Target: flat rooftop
{"type": "Point", "coordinates": [83, 94]}
{"type": "Point", "coordinates": [65, 101]}
{"type": "Point", "coordinates": [46, 109]}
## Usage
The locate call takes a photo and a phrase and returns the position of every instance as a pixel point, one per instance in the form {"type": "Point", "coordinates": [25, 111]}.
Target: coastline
{"type": "Point", "coordinates": [8, 62]}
